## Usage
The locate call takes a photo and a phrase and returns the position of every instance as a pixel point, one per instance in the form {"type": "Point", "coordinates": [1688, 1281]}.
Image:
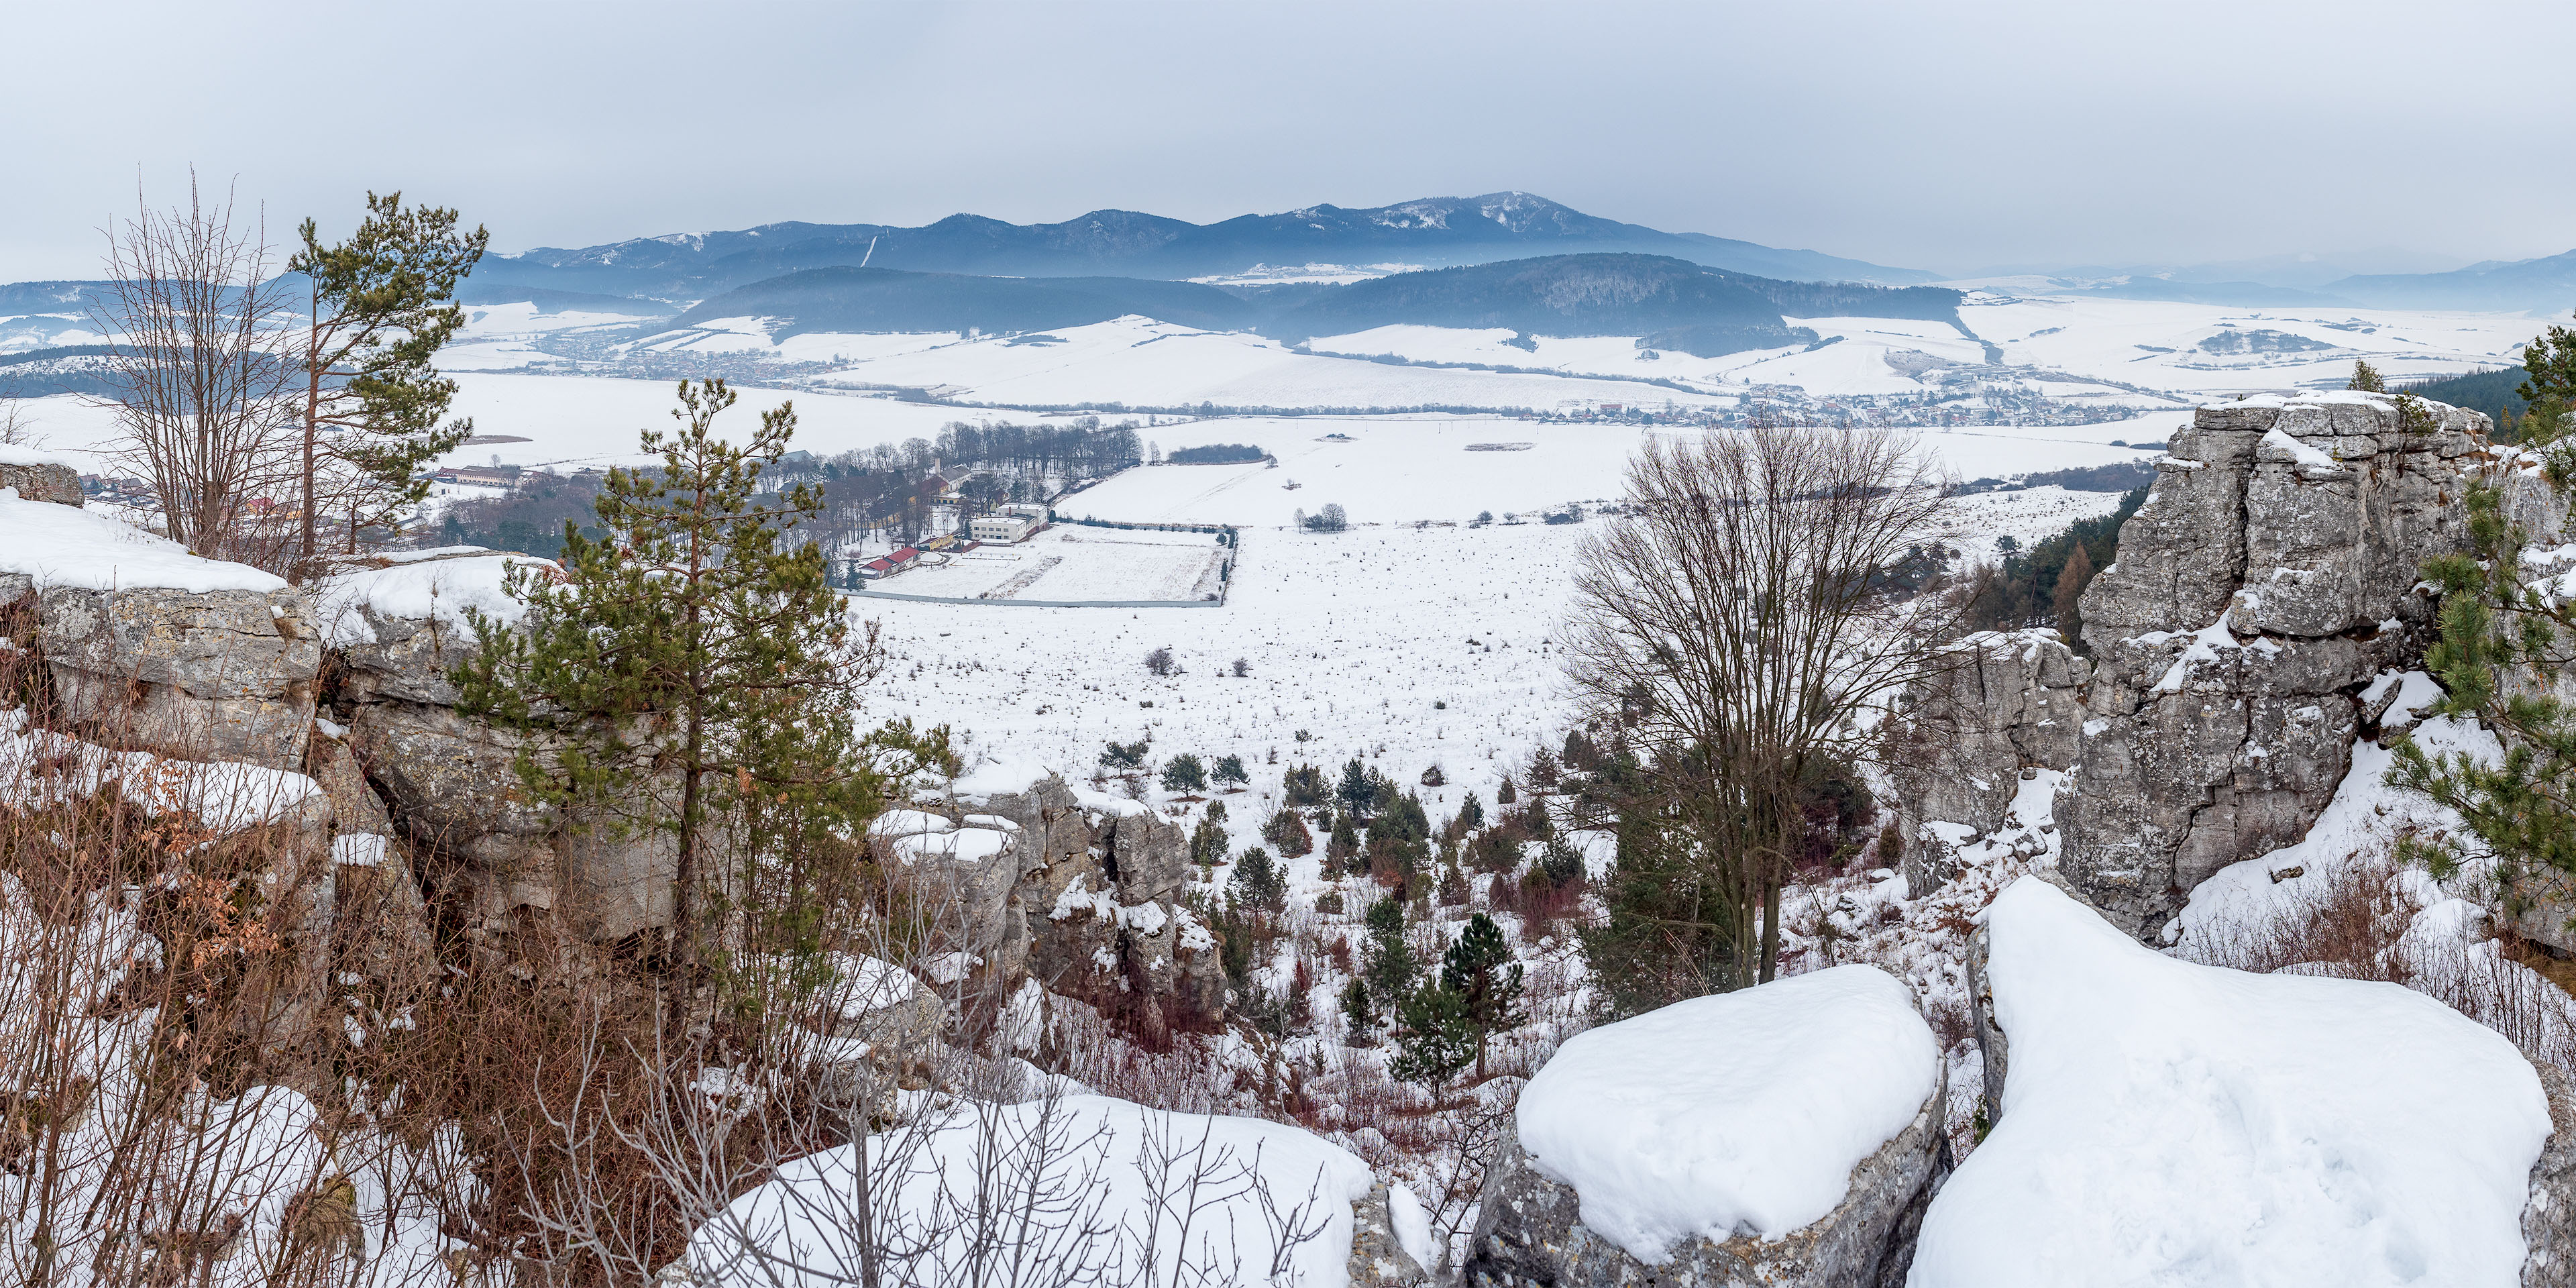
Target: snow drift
{"type": "Point", "coordinates": [2171, 1123]}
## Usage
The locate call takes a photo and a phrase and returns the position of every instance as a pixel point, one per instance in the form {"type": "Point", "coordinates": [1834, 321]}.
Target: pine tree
{"type": "Point", "coordinates": [1471, 812]}
{"type": "Point", "coordinates": [1434, 1040]}
{"type": "Point", "coordinates": [1453, 883]}
{"type": "Point", "coordinates": [1229, 772]}
{"type": "Point", "coordinates": [1667, 931]}
{"type": "Point", "coordinates": [383, 305]}
{"type": "Point", "coordinates": [1257, 883]}
{"type": "Point", "coordinates": [1358, 1013]}
{"type": "Point", "coordinates": [1357, 791]}
{"type": "Point", "coordinates": [1185, 774]}
{"type": "Point", "coordinates": [1288, 833]}
{"type": "Point", "coordinates": [691, 674]}
{"type": "Point", "coordinates": [1504, 795]}
{"type": "Point", "coordinates": [2365, 379]}
{"type": "Point", "coordinates": [1480, 970]}
{"type": "Point", "coordinates": [1207, 843]}
{"type": "Point", "coordinates": [1387, 964]}
{"type": "Point", "coordinates": [1344, 841]}
{"type": "Point", "coordinates": [2506, 639]}
{"type": "Point", "coordinates": [1303, 787]}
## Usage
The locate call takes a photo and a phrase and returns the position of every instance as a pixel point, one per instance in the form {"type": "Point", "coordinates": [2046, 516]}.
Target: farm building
{"type": "Point", "coordinates": [1002, 529]}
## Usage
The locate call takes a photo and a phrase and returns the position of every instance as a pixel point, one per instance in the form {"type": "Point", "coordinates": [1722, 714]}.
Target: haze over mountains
{"type": "Point", "coordinates": [1504, 259]}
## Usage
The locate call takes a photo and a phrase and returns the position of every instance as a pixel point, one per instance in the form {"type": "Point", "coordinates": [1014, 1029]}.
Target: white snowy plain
{"type": "Point", "coordinates": [1741, 1113]}
{"type": "Point", "coordinates": [2171, 1123]}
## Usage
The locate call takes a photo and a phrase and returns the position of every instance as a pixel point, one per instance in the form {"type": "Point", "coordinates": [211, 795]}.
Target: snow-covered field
{"type": "Point", "coordinates": [575, 421]}
{"type": "Point", "coordinates": [2134, 353]}
{"type": "Point", "coordinates": [1412, 647]}
{"type": "Point", "coordinates": [1074, 564]}
{"type": "Point", "coordinates": [1399, 469]}
{"type": "Point", "coordinates": [1406, 469]}
{"type": "Point", "coordinates": [1144, 363]}
{"type": "Point", "coordinates": [588, 420]}
{"type": "Point", "coordinates": [2157, 345]}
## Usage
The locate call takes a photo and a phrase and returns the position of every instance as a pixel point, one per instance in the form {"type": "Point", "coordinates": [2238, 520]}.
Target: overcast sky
{"type": "Point", "coordinates": [1945, 136]}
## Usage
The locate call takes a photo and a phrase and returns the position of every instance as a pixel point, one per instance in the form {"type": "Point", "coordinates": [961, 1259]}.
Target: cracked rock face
{"type": "Point", "coordinates": [1378, 1258]}
{"type": "Point", "coordinates": [214, 675]}
{"type": "Point", "coordinates": [2011, 701]}
{"type": "Point", "coordinates": [2269, 576]}
{"type": "Point", "coordinates": [1095, 913]}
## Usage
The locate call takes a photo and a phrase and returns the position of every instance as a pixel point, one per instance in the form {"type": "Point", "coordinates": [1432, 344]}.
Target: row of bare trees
{"type": "Point", "coordinates": [253, 412]}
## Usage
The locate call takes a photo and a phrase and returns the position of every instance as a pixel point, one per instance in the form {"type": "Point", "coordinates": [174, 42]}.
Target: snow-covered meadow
{"type": "Point", "coordinates": [1407, 646]}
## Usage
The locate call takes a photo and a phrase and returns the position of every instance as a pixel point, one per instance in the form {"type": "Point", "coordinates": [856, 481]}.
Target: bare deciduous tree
{"type": "Point", "coordinates": [1737, 623]}
{"type": "Point", "coordinates": [198, 383]}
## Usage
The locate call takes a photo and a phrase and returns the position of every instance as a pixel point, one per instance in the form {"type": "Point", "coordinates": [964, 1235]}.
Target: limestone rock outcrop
{"type": "Point", "coordinates": [2004, 703]}
{"type": "Point", "coordinates": [2269, 577]}
{"type": "Point", "coordinates": [2549, 1214]}
{"type": "Point", "coordinates": [1094, 909]}
{"type": "Point", "coordinates": [509, 860]}
{"type": "Point", "coordinates": [40, 480]}
{"type": "Point", "coordinates": [2238, 645]}
{"type": "Point", "coordinates": [224, 674]}
{"type": "Point", "coordinates": [1378, 1258]}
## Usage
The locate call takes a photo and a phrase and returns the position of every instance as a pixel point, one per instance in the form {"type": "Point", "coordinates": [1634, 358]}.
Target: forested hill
{"type": "Point", "coordinates": [1434, 231]}
{"type": "Point", "coordinates": [1692, 308]}
{"type": "Point", "coordinates": [1672, 303]}
{"type": "Point", "coordinates": [2498, 393]}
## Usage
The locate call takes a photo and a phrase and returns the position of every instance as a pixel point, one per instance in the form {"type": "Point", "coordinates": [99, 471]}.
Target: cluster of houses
{"type": "Point", "coordinates": [132, 493]}
{"type": "Point", "coordinates": [1005, 526]}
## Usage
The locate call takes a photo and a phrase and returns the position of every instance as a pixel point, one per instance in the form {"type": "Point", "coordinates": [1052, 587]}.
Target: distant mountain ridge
{"type": "Point", "coordinates": [1435, 231]}
{"type": "Point", "coordinates": [2546, 285]}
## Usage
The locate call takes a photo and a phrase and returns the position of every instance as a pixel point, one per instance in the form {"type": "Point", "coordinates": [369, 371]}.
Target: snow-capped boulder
{"type": "Point", "coordinates": [220, 674]}
{"type": "Point", "coordinates": [401, 623]}
{"type": "Point", "coordinates": [2269, 576]}
{"type": "Point", "coordinates": [158, 648]}
{"type": "Point", "coordinates": [2166, 1122]}
{"type": "Point", "coordinates": [1788, 1134]}
{"type": "Point", "coordinates": [1390, 1240]}
{"type": "Point", "coordinates": [1087, 1189]}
